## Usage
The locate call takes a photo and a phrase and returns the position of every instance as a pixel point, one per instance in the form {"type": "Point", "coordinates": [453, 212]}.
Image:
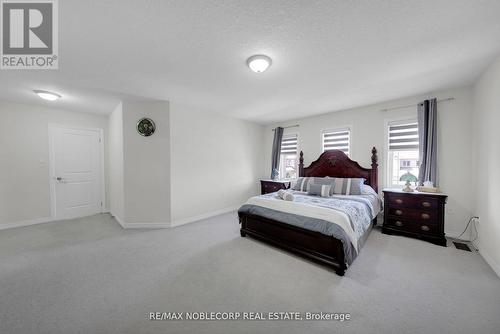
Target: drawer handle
{"type": "Point", "coordinates": [399, 201]}
{"type": "Point", "coordinates": [398, 223]}
{"type": "Point", "coordinates": [426, 204]}
{"type": "Point", "coordinates": [425, 216]}
{"type": "Point", "coordinates": [399, 212]}
{"type": "Point", "coordinates": [425, 228]}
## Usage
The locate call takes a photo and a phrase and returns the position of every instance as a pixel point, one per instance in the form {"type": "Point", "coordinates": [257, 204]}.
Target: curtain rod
{"type": "Point", "coordinates": [411, 105]}
{"type": "Point", "coordinates": [291, 126]}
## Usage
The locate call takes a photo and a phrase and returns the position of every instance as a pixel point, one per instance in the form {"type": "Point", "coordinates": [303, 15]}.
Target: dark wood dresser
{"type": "Point", "coordinates": [415, 214]}
{"type": "Point", "coordinates": [270, 186]}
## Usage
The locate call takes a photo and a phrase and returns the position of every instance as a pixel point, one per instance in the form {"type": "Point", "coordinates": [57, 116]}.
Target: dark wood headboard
{"type": "Point", "coordinates": [336, 163]}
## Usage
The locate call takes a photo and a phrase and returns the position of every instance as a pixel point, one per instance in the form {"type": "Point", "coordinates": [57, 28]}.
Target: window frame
{"type": "Point", "coordinates": [389, 164]}
{"type": "Point", "coordinates": [288, 135]}
{"type": "Point", "coordinates": [348, 128]}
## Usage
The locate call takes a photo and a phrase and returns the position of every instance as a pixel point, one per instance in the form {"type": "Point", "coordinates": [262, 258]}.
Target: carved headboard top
{"type": "Point", "coordinates": [336, 163]}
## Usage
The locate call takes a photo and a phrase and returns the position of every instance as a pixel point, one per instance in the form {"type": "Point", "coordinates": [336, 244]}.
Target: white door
{"type": "Point", "coordinates": [76, 172]}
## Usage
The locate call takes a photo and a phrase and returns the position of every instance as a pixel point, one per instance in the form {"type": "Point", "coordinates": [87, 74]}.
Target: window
{"type": "Point", "coordinates": [337, 140]}
{"type": "Point", "coordinates": [403, 160]}
{"type": "Point", "coordinates": [289, 157]}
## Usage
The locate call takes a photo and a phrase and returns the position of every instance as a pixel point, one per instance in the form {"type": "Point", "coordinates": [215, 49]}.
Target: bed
{"type": "Point", "coordinates": [297, 227]}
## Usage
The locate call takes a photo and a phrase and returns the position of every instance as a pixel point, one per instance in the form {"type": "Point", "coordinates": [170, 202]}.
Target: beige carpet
{"type": "Point", "coordinates": [90, 276]}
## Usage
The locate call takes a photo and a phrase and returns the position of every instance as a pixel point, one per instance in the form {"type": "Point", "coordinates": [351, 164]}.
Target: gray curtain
{"type": "Point", "coordinates": [275, 161]}
{"type": "Point", "coordinates": [427, 134]}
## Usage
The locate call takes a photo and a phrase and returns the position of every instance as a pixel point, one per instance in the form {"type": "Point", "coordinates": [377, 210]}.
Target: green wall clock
{"type": "Point", "coordinates": [146, 127]}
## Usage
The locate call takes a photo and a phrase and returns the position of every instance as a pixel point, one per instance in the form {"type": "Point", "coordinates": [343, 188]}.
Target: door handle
{"type": "Point", "coordinates": [59, 179]}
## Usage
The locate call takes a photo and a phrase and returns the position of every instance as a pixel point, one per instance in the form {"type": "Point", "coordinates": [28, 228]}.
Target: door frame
{"type": "Point", "coordinates": [51, 128]}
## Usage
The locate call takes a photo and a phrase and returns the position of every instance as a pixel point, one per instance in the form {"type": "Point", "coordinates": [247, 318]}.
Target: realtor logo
{"type": "Point", "coordinates": [29, 34]}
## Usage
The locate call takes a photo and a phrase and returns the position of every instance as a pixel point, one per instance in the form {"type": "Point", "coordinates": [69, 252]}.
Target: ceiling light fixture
{"type": "Point", "coordinates": [259, 63]}
{"type": "Point", "coordinates": [49, 96]}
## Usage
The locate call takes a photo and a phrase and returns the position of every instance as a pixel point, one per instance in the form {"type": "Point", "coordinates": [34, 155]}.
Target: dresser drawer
{"type": "Point", "coordinates": [417, 202]}
{"type": "Point", "coordinates": [410, 226]}
{"type": "Point", "coordinates": [272, 186]}
{"type": "Point", "coordinates": [413, 214]}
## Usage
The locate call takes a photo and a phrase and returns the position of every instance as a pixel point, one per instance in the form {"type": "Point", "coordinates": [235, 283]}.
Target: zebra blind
{"type": "Point", "coordinates": [403, 136]}
{"type": "Point", "coordinates": [289, 144]}
{"type": "Point", "coordinates": [337, 140]}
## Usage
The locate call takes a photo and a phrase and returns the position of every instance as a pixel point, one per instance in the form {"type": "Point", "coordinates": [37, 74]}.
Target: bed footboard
{"type": "Point", "coordinates": [312, 245]}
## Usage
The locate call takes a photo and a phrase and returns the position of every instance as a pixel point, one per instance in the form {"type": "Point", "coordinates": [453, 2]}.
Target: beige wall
{"type": "Point", "coordinates": [487, 147]}
{"type": "Point", "coordinates": [216, 162]}
{"type": "Point", "coordinates": [24, 157]}
{"type": "Point", "coordinates": [368, 126]}
{"type": "Point", "coordinates": [146, 165]}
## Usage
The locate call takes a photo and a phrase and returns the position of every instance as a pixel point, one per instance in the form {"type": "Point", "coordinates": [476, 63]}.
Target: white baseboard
{"type": "Point", "coordinates": [34, 222]}
{"type": "Point", "coordinates": [145, 225]}
{"type": "Point", "coordinates": [487, 258]}
{"type": "Point", "coordinates": [118, 219]}
{"type": "Point", "coordinates": [203, 216]}
{"type": "Point", "coordinates": [26, 223]}
{"type": "Point", "coordinates": [493, 264]}
{"type": "Point", "coordinates": [454, 235]}
{"type": "Point", "coordinates": [126, 225]}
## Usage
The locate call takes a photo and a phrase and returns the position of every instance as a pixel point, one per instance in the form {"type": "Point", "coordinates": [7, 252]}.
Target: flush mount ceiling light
{"type": "Point", "coordinates": [259, 63]}
{"type": "Point", "coordinates": [49, 96]}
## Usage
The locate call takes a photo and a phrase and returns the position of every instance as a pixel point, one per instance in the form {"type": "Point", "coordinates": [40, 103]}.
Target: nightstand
{"type": "Point", "coordinates": [415, 214]}
{"type": "Point", "coordinates": [270, 186]}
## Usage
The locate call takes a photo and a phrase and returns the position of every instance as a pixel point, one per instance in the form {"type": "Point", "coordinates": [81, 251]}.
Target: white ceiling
{"type": "Point", "coordinates": [327, 55]}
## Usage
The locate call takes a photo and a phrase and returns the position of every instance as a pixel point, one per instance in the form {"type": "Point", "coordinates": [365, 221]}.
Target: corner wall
{"type": "Point", "coordinates": [146, 166]}
{"type": "Point", "coordinates": [196, 165]}
{"type": "Point", "coordinates": [487, 187]}
{"type": "Point", "coordinates": [115, 145]}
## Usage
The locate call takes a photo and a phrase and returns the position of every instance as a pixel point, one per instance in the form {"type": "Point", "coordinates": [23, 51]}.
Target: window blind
{"type": "Point", "coordinates": [337, 140]}
{"type": "Point", "coordinates": [403, 136]}
{"type": "Point", "coordinates": [289, 144]}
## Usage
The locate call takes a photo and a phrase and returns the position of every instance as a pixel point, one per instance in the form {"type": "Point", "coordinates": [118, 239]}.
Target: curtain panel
{"type": "Point", "coordinates": [427, 134]}
{"type": "Point", "coordinates": [276, 151]}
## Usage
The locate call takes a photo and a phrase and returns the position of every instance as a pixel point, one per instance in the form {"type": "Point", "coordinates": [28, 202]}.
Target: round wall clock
{"type": "Point", "coordinates": [146, 127]}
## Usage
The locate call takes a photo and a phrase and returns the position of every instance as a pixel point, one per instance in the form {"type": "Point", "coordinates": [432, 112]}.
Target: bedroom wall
{"type": "Point", "coordinates": [216, 163]}
{"type": "Point", "coordinates": [368, 129]}
{"type": "Point", "coordinates": [24, 159]}
{"type": "Point", "coordinates": [487, 185]}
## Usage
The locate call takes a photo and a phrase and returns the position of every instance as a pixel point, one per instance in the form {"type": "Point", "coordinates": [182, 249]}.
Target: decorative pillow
{"type": "Point", "coordinates": [285, 195]}
{"type": "Point", "coordinates": [322, 190]}
{"type": "Point", "coordinates": [325, 181]}
{"type": "Point", "coordinates": [348, 186]}
{"type": "Point", "coordinates": [302, 184]}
